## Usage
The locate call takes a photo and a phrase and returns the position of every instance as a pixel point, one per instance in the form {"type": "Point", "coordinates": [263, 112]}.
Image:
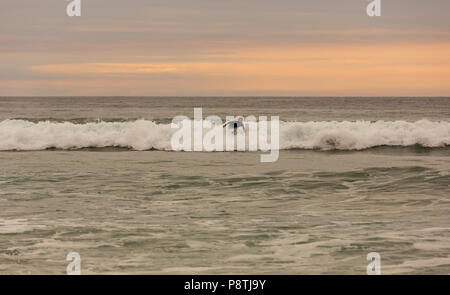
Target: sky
{"type": "Point", "coordinates": [225, 48]}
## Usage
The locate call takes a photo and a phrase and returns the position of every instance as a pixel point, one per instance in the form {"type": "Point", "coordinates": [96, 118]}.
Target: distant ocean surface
{"type": "Point", "coordinates": [96, 175]}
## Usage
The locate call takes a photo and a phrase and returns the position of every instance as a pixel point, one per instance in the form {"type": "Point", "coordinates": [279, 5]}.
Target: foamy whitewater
{"type": "Point", "coordinates": [146, 135]}
{"type": "Point", "coordinates": [97, 175]}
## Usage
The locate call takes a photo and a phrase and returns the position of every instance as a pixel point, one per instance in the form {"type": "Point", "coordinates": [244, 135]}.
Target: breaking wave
{"type": "Point", "coordinates": [140, 135]}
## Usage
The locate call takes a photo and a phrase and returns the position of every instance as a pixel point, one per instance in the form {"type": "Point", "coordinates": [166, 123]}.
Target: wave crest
{"type": "Point", "coordinates": [363, 134]}
{"type": "Point", "coordinates": [146, 135]}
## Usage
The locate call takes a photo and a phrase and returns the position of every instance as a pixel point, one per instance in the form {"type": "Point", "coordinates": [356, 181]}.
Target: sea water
{"type": "Point", "coordinates": [96, 175]}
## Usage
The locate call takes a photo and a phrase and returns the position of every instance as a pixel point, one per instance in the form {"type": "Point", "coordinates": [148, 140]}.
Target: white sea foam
{"type": "Point", "coordinates": [363, 134]}
{"type": "Point", "coordinates": [145, 135]}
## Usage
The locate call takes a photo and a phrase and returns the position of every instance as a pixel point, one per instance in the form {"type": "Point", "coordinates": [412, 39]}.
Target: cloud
{"type": "Point", "coordinates": [105, 68]}
{"type": "Point", "coordinates": [179, 47]}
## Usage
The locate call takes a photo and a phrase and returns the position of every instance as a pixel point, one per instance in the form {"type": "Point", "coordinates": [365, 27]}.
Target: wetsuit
{"type": "Point", "coordinates": [235, 125]}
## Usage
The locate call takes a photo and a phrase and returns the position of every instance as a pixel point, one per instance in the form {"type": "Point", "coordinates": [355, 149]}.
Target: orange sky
{"type": "Point", "coordinates": [383, 60]}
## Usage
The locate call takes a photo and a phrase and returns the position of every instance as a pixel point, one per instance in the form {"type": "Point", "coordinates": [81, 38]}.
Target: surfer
{"type": "Point", "coordinates": [235, 124]}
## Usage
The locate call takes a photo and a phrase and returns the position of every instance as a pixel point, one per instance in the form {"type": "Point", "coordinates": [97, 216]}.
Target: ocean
{"type": "Point", "coordinates": [97, 176]}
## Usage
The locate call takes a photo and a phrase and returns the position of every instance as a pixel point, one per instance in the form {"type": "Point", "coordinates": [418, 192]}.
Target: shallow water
{"type": "Point", "coordinates": [161, 212]}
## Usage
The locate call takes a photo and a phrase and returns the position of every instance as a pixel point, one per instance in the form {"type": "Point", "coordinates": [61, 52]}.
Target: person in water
{"type": "Point", "coordinates": [235, 125]}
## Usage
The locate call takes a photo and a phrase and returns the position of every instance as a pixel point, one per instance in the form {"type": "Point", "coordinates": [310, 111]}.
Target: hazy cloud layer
{"type": "Point", "coordinates": [209, 47]}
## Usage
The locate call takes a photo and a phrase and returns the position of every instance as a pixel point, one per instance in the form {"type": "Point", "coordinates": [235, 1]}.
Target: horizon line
{"type": "Point", "coordinates": [236, 96]}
